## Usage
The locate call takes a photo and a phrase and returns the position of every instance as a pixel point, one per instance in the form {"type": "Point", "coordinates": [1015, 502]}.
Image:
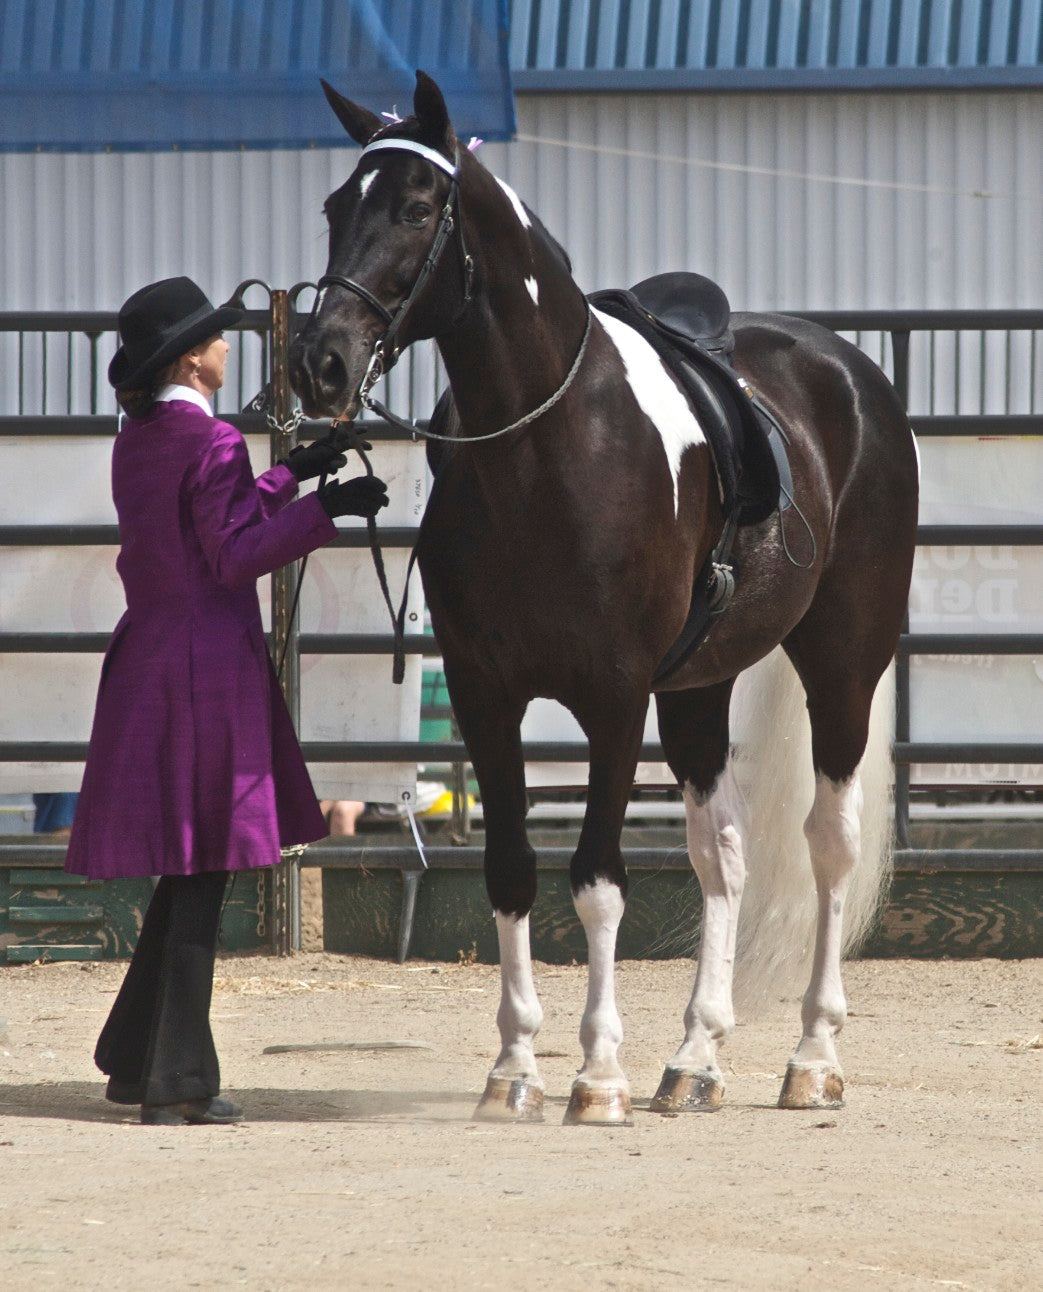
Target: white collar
{"type": "Point", "coordinates": [187, 393]}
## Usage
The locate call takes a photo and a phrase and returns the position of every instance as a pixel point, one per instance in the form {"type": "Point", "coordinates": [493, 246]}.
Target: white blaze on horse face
{"type": "Point", "coordinates": [533, 288]}
{"type": "Point", "coordinates": [516, 202]}
{"type": "Point", "coordinates": [365, 182]}
{"type": "Point", "coordinates": [657, 394]}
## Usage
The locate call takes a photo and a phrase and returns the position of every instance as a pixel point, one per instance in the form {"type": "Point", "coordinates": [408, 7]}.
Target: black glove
{"type": "Point", "coordinates": [307, 461]}
{"type": "Point", "coordinates": [363, 496]}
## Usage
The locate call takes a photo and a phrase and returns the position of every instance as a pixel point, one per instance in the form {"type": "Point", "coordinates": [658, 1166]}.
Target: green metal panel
{"type": "Point", "coordinates": [55, 913]}
{"type": "Point", "coordinates": [30, 952]}
{"type": "Point", "coordinates": [43, 914]}
{"type": "Point", "coordinates": [927, 915]}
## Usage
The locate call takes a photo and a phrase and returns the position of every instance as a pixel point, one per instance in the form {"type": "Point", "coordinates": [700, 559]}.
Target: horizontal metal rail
{"type": "Point", "coordinates": [406, 536]}
{"type": "Point", "coordinates": [978, 426]}
{"type": "Point", "coordinates": [87, 425]}
{"type": "Point", "coordinates": [537, 751]}
{"type": "Point", "coordinates": [404, 857]}
{"type": "Point", "coordinates": [968, 643]}
{"type": "Point", "coordinates": [310, 644]}
{"type": "Point", "coordinates": [958, 320]}
{"type": "Point", "coordinates": [108, 536]}
{"type": "Point", "coordinates": [909, 644]}
{"type": "Point", "coordinates": [941, 751]}
{"type": "Point", "coordinates": [1014, 320]}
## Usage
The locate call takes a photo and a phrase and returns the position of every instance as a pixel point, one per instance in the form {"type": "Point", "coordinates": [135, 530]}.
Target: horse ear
{"type": "Point", "coordinates": [431, 112]}
{"type": "Point", "coordinates": [360, 123]}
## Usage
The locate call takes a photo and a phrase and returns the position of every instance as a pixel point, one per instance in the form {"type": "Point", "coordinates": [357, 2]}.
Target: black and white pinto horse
{"type": "Point", "coordinates": [559, 554]}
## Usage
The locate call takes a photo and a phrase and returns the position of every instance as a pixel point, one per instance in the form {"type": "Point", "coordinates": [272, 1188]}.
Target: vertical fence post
{"type": "Point", "coordinates": [900, 352]}
{"type": "Point", "coordinates": [286, 893]}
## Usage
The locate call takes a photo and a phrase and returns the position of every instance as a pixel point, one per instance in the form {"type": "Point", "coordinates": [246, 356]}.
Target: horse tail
{"type": "Point", "coordinates": [778, 915]}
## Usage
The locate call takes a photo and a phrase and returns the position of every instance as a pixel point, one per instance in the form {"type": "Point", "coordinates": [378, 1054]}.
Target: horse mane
{"type": "Point", "coordinates": [553, 244]}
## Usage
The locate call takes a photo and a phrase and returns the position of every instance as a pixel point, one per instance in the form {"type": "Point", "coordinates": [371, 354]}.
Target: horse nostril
{"type": "Point", "coordinates": [331, 375]}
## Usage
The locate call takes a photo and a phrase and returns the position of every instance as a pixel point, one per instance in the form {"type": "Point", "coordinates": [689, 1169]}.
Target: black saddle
{"type": "Point", "coordinates": [690, 308]}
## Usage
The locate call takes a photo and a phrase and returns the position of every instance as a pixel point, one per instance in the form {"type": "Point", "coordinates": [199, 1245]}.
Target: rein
{"type": "Point", "coordinates": [404, 424]}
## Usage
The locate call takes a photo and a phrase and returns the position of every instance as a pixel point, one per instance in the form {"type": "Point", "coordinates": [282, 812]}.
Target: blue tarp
{"type": "Point", "coordinates": [97, 75]}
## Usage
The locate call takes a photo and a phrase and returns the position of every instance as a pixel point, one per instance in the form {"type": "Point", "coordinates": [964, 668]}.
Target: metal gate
{"type": "Point", "coordinates": [974, 384]}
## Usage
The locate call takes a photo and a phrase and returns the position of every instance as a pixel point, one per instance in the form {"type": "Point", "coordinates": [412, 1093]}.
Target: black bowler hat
{"type": "Point", "coordinates": [160, 323]}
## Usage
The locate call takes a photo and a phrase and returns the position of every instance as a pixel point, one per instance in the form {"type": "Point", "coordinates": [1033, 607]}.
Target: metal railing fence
{"type": "Point", "coordinates": [961, 373]}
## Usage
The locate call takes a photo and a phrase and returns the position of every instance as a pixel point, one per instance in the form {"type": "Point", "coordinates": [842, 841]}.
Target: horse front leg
{"type": "Point", "coordinates": [601, 1092]}
{"type": "Point", "coordinates": [694, 730]}
{"type": "Point", "coordinates": [491, 731]}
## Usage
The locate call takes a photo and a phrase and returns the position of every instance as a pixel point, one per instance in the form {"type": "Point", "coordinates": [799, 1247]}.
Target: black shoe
{"type": "Point", "coordinates": [124, 1092]}
{"type": "Point", "coordinates": [192, 1112]}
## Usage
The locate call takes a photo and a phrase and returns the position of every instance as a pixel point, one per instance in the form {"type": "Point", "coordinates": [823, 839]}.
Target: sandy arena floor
{"type": "Point", "coordinates": [360, 1168]}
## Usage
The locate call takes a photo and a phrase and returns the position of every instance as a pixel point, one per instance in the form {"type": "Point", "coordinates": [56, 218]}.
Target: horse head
{"type": "Point", "coordinates": [398, 268]}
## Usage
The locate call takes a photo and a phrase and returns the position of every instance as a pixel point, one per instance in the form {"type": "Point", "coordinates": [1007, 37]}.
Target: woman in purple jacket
{"type": "Point", "coordinates": [193, 769]}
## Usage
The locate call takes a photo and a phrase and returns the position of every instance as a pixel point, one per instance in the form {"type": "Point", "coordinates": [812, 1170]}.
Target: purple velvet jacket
{"type": "Point", "coordinates": [193, 762]}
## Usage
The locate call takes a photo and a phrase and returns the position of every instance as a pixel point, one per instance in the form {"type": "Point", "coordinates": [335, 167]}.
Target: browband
{"type": "Point", "coordinates": [408, 146]}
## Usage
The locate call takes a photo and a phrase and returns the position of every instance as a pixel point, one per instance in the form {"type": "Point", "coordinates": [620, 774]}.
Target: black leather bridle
{"type": "Point", "coordinates": [385, 351]}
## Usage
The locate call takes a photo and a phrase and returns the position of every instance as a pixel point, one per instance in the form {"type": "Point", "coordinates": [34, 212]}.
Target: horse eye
{"type": "Point", "coordinates": [418, 213]}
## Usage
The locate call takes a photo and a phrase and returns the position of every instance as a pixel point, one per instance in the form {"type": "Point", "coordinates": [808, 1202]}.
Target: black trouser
{"type": "Point", "coordinates": [157, 1036]}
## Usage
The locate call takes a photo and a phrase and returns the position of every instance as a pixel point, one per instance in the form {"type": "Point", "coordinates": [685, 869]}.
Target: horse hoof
{"type": "Point", "coordinates": [598, 1106]}
{"type": "Point", "coordinates": [687, 1092]}
{"type": "Point", "coordinates": [510, 1100]}
{"type": "Point", "coordinates": [818, 1087]}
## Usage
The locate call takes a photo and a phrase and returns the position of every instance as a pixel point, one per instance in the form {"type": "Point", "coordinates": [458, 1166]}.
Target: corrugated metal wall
{"type": "Point", "coordinates": [797, 201]}
{"type": "Point", "coordinates": [791, 34]}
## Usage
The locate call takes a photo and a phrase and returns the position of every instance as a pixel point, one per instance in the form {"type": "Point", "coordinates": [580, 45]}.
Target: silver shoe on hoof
{"type": "Point", "coordinates": [598, 1106]}
{"type": "Point", "coordinates": [687, 1092]}
{"type": "Point", "coordinates": [818, 1087]}
{"type": "Point", "coordinates": [508, 1099]}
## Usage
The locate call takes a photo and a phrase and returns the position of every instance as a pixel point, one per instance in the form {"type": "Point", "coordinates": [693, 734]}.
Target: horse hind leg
{"type": "Point", "coordinates": [814, 1078]}
{"type": "Point", "coordinates": [840, 711]}
{"type": "Point", "coordinates": [694, 731]}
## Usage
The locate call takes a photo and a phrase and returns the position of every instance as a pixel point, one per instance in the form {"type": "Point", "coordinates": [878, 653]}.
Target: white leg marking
{"type": "Point", "coordinates": [365, 182]}
{"type": "Point", "coordinates": [833, 833]}
{"type": "Point", "coordinates": [533, 288]}
{"type": "Point", "coordinates": [520, 1016]}
{"type": "Point", "coordinates": [600, 908]}
{"type": "Point", "coordinates": [516, 202]}
{"type": "Point", "coordinates": [716, 853]}
{"type": "Point", "coordinates": [657, 393]}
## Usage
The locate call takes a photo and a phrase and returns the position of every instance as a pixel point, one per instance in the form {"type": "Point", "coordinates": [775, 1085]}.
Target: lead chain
{"type": "Point", "coordinates": [262, 904]}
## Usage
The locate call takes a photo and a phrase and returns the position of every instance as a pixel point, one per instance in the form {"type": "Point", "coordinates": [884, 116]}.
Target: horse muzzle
{"type": "Point", "coordinates": [319, 375]}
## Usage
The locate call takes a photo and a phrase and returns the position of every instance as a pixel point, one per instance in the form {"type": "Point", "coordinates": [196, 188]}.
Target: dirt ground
{"type": "Point", "coordinates": [361, 1168]}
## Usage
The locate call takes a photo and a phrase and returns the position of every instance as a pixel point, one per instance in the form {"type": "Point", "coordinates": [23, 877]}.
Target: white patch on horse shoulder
{"type": "Point", "coordinates": [533, 288]}
{"type": "Point", "coordinates": [516, 202]}
{"type": "Point", "coordinates": [657, 394]}
{"type": "Point", "coordinates": [365, 182]}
